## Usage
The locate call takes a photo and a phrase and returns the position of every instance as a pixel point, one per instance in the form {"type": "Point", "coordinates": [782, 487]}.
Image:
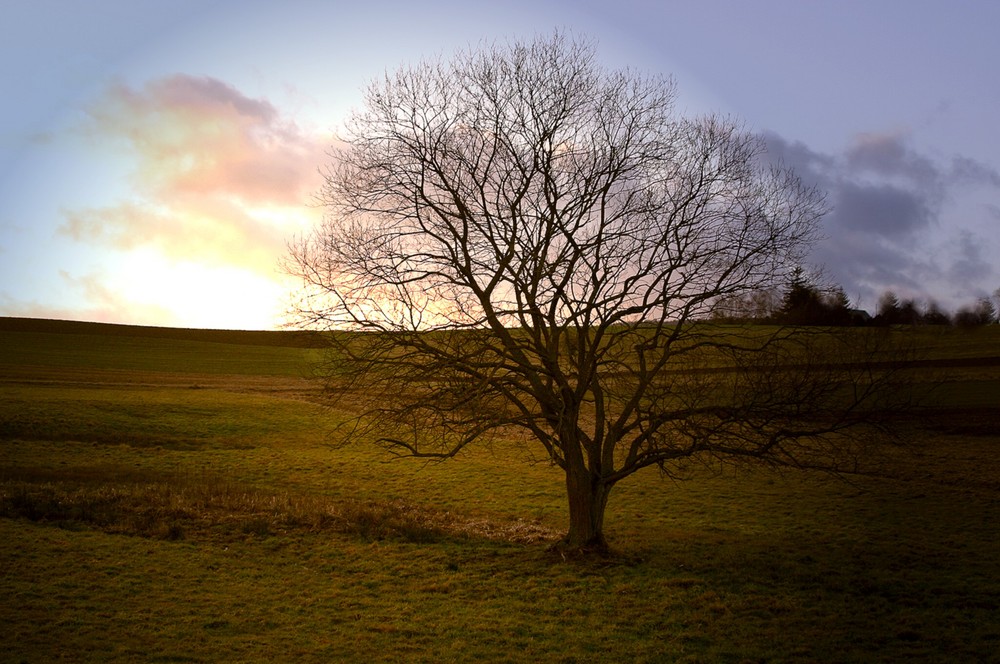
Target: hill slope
{"type": "Point", "coordinates": [291, 338]}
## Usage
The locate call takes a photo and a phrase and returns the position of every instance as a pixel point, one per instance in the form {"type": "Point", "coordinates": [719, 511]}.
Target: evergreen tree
{"type": "Point", "coordinates": [888, 309]}
{"type": "Point", "coordinates": [801, 304]}
{"type": "Point", "coordinates": [805, 304]}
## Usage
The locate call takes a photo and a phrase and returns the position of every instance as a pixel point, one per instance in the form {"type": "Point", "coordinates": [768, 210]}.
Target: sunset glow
{"type": "Point", "coordinates": [156, 173]}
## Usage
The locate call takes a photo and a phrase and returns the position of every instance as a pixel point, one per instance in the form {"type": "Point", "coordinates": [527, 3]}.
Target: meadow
{"type": "Point", "coordinates": [179, 496]}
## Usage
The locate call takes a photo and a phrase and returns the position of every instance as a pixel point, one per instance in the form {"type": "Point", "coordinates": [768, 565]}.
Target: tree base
{"type": "Point", "coordinates": [591, 549]}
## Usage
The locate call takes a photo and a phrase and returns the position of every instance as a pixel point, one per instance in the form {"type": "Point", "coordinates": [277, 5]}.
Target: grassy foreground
{"type": "Point", "coordinates": [174, 496]}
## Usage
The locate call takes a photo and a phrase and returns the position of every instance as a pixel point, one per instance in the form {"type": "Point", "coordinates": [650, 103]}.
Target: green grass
{"type": "Point", "coordinates": [96, 351]}
{"type": "Point", "coordinates": [177, 499]}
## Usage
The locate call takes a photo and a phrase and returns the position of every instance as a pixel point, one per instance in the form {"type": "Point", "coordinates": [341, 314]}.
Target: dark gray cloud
{"type": "Point", "coordinates": [971, 263]}
{"type": "Point", "coordinates": [887, 155]}
{"type": "Point", "coordinates": [891, 224]}
{"type": "Point", "coordinates": [798, 156]}
{"type": "Point", "coordinates": [883, 210]}
{"type": "Point", "coordinates": [965, 170]}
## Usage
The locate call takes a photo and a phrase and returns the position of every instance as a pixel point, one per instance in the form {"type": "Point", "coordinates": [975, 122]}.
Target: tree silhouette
{"type": "Point", "coordinates": [520, 243]}
{"type": "Point", "coordinates": [802, 302]}
{"type": "Point", "coordinates": [983, 312]}
{"type": "Point", "coordinates": [888, 312]}
{"type": "Point", "coordinates": [805, 304]}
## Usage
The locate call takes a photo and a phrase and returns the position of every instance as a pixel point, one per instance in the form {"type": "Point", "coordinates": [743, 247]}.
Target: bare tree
{"type": "Point", "coordinates": [759, 306]}
{"type": "Point", "coordinates": [521, 243]}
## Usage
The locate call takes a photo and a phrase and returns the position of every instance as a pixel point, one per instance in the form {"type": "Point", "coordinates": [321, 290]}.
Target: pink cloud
{"type": "Point", "coordinates": [217, 176]}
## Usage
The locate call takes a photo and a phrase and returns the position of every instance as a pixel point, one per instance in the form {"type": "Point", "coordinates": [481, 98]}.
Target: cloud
{"type": "Point", "coordinates": [887, 155]}
{"type": "Point", "coordinates": [965, 170]}
{"type": "Point", "coordinates": [971, 263]}
{"type": "Point", "coordinates": [881, 210]}
{"type": "Point", "coordinates": [104, 304]}
{"type": "Point", "coordinates": [894, 222]}
{"type": "Point", "coordinates": [217, 176]}
{"type": "Point", "coordinates": [151, 290]}
{"type": "Point", "coordinates": [109, 305]}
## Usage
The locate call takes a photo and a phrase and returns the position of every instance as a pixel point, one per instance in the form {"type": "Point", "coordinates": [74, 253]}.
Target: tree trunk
{"type": "Point", "coordinates": [587, 499]}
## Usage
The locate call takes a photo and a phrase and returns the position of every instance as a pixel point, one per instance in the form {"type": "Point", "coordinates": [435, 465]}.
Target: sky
{"type": "Point", "coordinates": [156, 157]}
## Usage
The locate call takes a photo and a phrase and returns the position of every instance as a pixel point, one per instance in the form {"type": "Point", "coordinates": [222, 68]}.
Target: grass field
{"type": "Point", "coordinates": [176, 496]}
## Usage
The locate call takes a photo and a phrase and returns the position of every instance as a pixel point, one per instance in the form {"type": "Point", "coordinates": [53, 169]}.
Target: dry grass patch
{"type": "Point", "coordinates": [175, 506]}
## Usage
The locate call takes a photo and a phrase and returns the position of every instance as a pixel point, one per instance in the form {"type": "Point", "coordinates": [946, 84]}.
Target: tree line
{"type": "Point", "coordinates": [805, 302]}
